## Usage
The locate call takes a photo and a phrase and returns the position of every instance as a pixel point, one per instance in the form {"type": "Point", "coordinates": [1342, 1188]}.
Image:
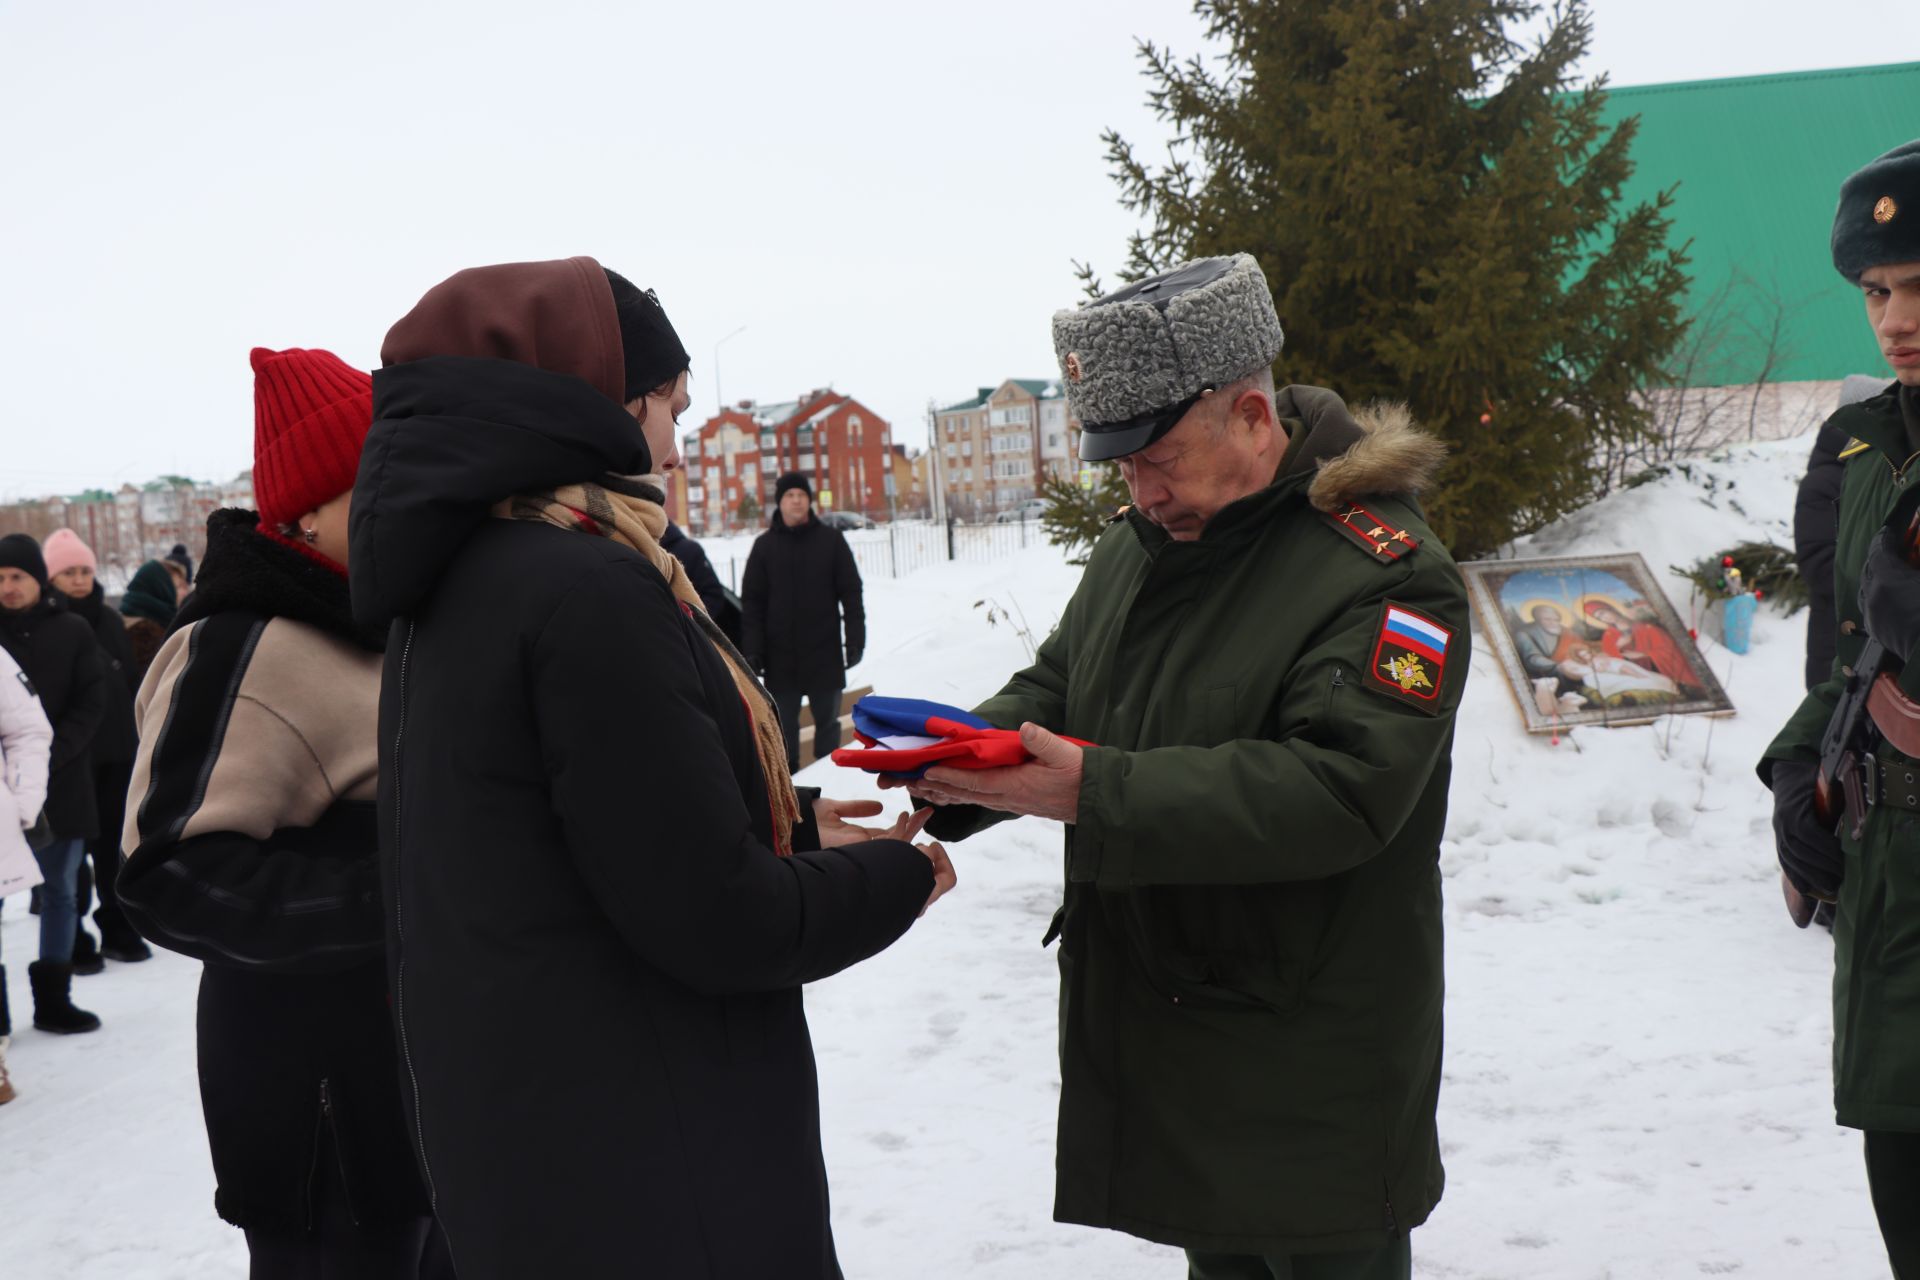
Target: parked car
{"type": "Point", "coordinates": [845, 520]}
{"type": "Point", "coordinates": [1031, 509]}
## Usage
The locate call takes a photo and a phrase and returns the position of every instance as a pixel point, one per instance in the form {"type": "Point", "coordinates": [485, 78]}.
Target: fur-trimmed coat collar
{"type": "Point", "coordinates": [1372, 451]}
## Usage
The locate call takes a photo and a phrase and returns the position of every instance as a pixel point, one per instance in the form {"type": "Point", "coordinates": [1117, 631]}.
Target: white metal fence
{"type": "Point", "coordinates": [897, 549]}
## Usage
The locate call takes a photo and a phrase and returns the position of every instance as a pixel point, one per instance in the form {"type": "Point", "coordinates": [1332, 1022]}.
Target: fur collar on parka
{"type": "Point", "coordinates": [1372, 451]}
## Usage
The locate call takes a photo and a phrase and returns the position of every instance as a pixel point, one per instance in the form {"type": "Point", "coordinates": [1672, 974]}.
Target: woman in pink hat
{"type": "Point", "coordinates": [73, 571]}
{"type": "Point", "coordinates": [252, 847]}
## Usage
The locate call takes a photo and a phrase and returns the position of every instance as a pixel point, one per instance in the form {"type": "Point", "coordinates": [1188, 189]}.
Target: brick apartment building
{"type": "Point", "coordinates": [845, 448]}
{"type": "Point", "coordinates": [995, 447]}
{"type": "Point", "coordinates": [135, 523]}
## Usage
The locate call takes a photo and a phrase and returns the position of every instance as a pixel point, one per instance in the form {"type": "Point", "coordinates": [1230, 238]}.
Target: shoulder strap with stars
{"type": "Point", "coordinates": [1379, 537]}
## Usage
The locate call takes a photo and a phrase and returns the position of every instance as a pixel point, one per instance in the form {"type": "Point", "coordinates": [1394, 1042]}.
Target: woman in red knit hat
{"type": "Point", "coordinates": [252, 848]}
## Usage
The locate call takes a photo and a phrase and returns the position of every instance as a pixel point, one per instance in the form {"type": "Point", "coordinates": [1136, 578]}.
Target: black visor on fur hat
{"type": "Point", "coordinates": [18, 551]}
{"type": "Point", "coordinates": [653, 351]}
{"type": "Point", "coordinates": [792, 480]}
{"type": "Point", "coordinates": [1878, 220]}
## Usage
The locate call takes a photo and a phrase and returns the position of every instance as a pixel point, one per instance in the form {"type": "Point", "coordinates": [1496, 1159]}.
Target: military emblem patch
{"type": "Point", "coordinates": [1410, 657]}
{"type": "Point", "coordinates": [1884, 210]}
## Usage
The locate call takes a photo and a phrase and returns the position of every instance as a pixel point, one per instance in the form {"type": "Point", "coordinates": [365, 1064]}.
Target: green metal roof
{"type": "Point", "coordinates": [986, 393]}
{"type": "Point", "coordinates": [1758, 162]}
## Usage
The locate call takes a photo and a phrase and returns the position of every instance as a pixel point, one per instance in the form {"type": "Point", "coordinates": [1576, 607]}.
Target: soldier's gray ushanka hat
{"type": "Point", "coordinates": [1136, 360]}
{"type": "Point", "coordinates": [1878, 221]}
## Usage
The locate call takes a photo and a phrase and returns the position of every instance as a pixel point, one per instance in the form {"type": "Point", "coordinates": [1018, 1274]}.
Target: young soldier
{"type": "Point", "coordinates": [1876, 879]}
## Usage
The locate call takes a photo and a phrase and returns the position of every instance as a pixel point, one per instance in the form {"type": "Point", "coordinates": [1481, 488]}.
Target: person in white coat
{"type": "Point", "coordinates": [26, 746]}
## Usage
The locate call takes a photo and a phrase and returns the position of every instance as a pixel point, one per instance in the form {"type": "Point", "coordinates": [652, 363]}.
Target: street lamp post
{"type": "Point", "coordinates": [717, 392]}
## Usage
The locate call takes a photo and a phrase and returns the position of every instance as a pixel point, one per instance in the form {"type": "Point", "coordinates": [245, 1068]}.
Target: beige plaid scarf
{"type": "Point", "coordinates": [629, 510]}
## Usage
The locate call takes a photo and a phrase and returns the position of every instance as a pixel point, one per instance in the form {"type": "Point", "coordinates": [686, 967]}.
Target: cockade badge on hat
{"type": "Point", "coordinates": [1884, 209]}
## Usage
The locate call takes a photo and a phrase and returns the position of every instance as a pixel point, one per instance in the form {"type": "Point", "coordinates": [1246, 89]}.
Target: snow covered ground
{"type": "Point", "coordinates": [1637, 1062]}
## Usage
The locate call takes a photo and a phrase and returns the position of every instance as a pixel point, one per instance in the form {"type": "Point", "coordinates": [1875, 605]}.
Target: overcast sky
{"type": "Point", "coordinates": [886, 197]}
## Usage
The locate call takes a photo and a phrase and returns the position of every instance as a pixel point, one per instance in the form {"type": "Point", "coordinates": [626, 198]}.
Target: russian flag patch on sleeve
{"type": "Point", "coordinates": [1410, 657]}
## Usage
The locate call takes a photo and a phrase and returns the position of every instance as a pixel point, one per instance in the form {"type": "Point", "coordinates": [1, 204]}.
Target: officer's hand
{"type": "Point", "coordinates": [854, 655]}
{"type": "Point", "coordinates": [1047, 786]}
{"type": "Point", "coordinates": [1809, 853]}
{"type": "Point", "coordinates": [1890, 594]}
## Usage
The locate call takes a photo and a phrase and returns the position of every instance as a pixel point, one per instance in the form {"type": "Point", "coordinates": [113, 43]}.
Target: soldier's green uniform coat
{"type": "Point", "coordinates": [1250, 946]}
{"type": "Point", "coordinates": [1876, 932]}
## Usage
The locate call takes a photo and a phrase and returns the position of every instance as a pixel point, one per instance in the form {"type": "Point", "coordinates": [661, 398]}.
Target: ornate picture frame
{"type": "Point", "coordinates": [1590, 640]}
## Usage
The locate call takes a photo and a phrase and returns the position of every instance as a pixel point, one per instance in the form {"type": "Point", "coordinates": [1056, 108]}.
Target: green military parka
{"type": "Point", "coordinates": [1876, 932]}
{"type": "Point", "coordinates": [1250, 944]}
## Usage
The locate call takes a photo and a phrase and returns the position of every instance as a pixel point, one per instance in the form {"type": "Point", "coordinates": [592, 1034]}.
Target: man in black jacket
{"type": "Point", "coordinates": [57, 652]}
{"type": "Point", "coordinates": [800, 586]}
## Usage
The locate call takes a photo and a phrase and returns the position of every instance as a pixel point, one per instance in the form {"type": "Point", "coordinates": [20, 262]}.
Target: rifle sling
{"type": "Point", "coordinates": [1895, 715]}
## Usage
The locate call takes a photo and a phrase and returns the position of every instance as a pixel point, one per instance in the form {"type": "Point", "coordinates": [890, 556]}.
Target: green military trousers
{"type": "Point", "coordinates": [1395, 1262]}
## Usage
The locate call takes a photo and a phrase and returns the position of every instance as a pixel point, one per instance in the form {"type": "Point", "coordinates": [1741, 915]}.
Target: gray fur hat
{"type": "Point", "coordinates": [1878, 221]}
{"type": "Point", "coordinates": [1136, 360]}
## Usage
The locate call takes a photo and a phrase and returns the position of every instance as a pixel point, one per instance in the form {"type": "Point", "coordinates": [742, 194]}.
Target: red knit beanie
{"type": "Point", "coordinates": [311, 412]}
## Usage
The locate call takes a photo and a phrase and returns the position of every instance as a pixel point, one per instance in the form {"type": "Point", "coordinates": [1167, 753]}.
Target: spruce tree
{"type": "Point", "coordinates": [1436, 205]}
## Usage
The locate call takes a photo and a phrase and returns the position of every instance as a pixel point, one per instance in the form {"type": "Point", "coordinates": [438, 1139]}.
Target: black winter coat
{"type": "Point", "coordinates": [116, 741]}
{"type": "Point", "coordinates": [722, 605]}
{"type": "Point", "coordinates": [1816, 526]}
{"type": "Point", "coordinates": [607, 1060]}
{"type": "Point", "coordinates": [57, 651]}
{"type": "Point", "coordinates": [798, 585]}
{"type": "Point", "coordinates": [294, 1028]}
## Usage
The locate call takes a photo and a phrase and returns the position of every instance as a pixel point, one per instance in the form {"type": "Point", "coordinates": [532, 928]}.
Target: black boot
{"type": "Point", "coordinates": [86, 953]}
{"type": "Point", "coordinates": [118, 941]}
{"type": "Point", "coordinates": [53, 1008]}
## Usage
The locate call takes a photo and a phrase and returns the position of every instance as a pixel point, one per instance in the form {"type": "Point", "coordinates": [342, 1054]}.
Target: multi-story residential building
{"type": "Point", "coordinates": [995, 447]}
{"type": "Point", "coordinates": [910, 487]}
{"type": "Point", "coordinates": [134, 524]}
{"type": "Point", "coordinates": [843, 447]}
{"type": "Point", "coordinates": [720, 463]}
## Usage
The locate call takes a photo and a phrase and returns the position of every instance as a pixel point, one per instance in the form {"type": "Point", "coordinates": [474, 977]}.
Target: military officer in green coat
{"type": "Point", "coordinates": [1268, 648]}
{"type": "Point", "coordinates": [1876, 879]}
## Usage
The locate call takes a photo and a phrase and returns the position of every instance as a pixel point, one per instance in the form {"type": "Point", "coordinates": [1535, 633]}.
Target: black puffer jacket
{"type": "Point", "coordinates": [116, 740]}
{"type": "Point", "coordinates": [722, 605]}
{"type": "Point", "coordinates": [294, 1028]}
{"type": "Point", "coordinates": [798, 584]}
{"type": "Point", "coordinates": [575, 830]}
{"type": "Point", "coordinates": [57, 651]}
{"type": "Point", "coordinates": [1816, 526]}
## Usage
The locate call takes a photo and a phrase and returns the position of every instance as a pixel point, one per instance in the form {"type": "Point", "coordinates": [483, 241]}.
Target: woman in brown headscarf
{"type": "Point", "coordinates": [604, 893]}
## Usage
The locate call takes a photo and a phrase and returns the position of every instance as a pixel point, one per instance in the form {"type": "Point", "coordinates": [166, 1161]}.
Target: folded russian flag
{"type": "Point", "coordinates": [904, 737]}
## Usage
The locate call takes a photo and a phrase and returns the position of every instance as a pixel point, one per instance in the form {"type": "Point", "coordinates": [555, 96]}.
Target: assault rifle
{"type": "Point", "coordinates": [1872, 708]}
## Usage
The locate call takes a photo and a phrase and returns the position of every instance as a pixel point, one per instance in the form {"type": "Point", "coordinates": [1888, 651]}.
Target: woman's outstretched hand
{"type": "Point", "coordinates": [831, 816]}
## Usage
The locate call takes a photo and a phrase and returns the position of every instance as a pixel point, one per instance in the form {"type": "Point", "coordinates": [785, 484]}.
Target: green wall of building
{"type": "Point", "coordinates": [1758, 162]}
